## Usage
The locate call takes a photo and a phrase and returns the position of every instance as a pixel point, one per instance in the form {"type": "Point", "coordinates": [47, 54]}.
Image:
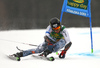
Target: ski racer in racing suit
{"type": "Point", "coordinates": [56, 38]}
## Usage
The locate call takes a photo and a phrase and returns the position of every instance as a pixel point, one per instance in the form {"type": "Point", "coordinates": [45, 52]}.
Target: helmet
{"type": "Point", "coordinates": [55, 23]}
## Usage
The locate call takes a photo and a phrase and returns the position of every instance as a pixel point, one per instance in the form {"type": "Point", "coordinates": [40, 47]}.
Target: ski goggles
{"type": "Point", "coordinates": [56, 28]}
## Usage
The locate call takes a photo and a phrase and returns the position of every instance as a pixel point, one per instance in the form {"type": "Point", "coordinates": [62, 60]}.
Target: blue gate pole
{"type": "Point", "coordinates": [91, 36]}
{"type": "Point", "coordinates": [61, 16]}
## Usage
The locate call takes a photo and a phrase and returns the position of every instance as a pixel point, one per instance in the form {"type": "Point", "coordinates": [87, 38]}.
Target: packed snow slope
{"type": "Point", "coordinates": [78, 56]}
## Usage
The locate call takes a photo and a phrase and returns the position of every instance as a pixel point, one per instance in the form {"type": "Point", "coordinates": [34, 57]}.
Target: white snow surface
{"type": "Point", "coordinates": [78, 56]}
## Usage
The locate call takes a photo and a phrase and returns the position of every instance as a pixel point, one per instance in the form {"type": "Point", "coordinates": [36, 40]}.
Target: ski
{"type": "Point", "coordinates": [38, 57]}
{"type": "Point", "coordinates": [44, 58]}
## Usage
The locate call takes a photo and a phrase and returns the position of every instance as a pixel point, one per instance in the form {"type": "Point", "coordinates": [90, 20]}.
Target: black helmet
{"type": "Point", "coordinates": [54, 22]}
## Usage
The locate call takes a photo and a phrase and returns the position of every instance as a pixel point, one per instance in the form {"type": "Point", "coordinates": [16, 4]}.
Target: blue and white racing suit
{"type": "Point", "coordinates": [59, 41]}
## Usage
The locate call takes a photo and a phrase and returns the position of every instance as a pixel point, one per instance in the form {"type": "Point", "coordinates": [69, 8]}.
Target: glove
{"type": "Point", "coordinates": [62, 54]}
{"type": "Point", "coordinates": [50, 47]}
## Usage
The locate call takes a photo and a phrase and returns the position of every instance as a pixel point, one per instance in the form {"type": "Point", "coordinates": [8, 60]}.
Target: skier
{"type": "Point", "coordinates": [56, 38]}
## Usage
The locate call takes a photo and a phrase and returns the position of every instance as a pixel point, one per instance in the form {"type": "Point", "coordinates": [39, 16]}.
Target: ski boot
{"type": "Point", "coordinates": [45, 54]}
{"type": "Point", "coordinates": [16, 56]}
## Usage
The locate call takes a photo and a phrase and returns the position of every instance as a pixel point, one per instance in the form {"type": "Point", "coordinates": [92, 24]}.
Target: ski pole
{"type": "Point", "coordinates": [18, 42]}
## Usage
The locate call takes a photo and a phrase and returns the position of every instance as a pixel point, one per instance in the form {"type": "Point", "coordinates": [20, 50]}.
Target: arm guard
{"type": "Point", "coordinates": [68, 46]}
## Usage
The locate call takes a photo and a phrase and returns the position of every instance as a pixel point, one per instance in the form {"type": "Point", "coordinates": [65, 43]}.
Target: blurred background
{"type": "Point", "coordinates": [35, 14]}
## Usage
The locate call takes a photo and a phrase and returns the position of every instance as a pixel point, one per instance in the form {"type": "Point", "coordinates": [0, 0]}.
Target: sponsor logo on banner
{"type": "Point", "coordinates": [79, 1]}
{"type": "Point", "coordinates": [81, 4]}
